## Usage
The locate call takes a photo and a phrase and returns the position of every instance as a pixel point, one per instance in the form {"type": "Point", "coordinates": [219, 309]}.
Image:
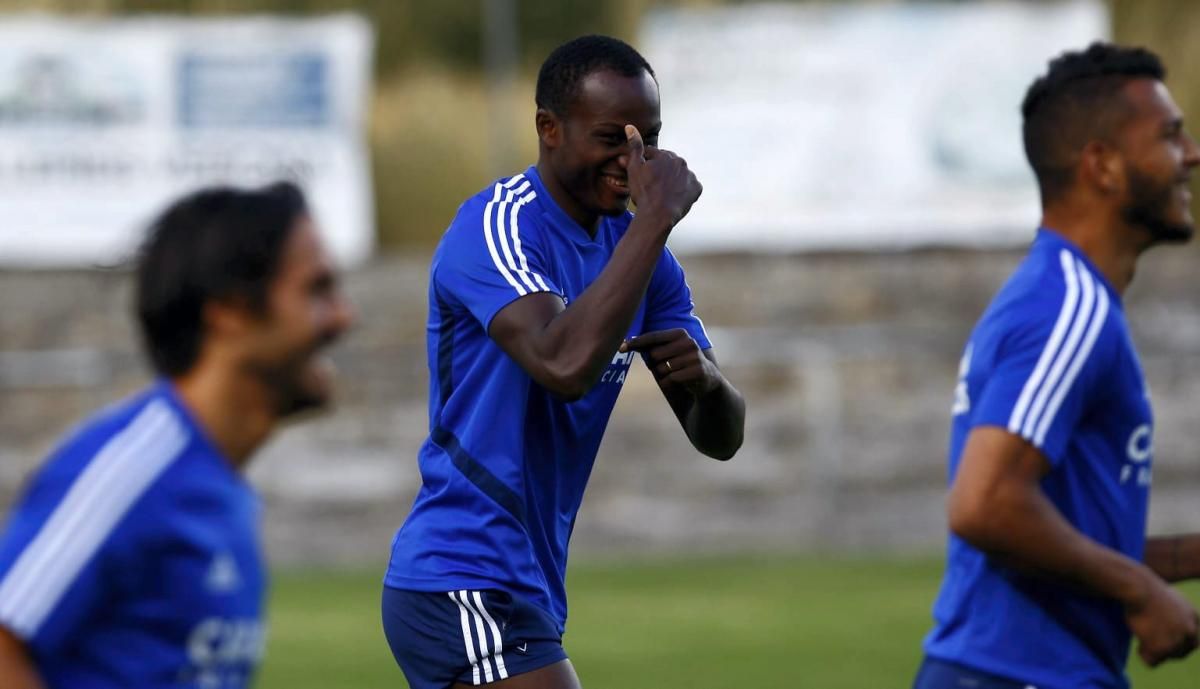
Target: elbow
{"type": "Point", "coordinates": [566, 383]}
{"type": "Point", "coordinates": [971, 519]}
{"type": "Point", "coordinates": [726, 452]}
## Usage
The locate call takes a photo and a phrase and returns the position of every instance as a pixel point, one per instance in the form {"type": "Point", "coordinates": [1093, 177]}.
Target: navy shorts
{"type": "Point", "coordinates": [473, 637]}
{"type": "Point", "coordinates": [942, 674]}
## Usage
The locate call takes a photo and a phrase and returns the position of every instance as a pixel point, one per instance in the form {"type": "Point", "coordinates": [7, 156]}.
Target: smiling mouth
{"type": "Point", "coordinates": [620, 185]}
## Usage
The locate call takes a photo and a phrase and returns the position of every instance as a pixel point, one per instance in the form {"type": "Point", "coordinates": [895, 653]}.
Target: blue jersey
{"type": "Point", "coordinates": [132, 557]}
{"type": "Point", "coordinates": [1051, 360]}
{"type": "Point", "coordinates": [505, 465]}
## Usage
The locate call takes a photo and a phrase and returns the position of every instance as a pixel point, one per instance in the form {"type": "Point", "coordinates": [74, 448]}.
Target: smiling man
{"type": "Point", "coordinates": [1049, 573]}
{"type": "Point", "coordinates": [540, 293]}
{"type": "Point", "coordinates": [132, 558]}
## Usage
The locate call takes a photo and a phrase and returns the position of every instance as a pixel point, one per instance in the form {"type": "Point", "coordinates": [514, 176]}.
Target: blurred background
{"type": "Point", "coordinates": [865, 195]}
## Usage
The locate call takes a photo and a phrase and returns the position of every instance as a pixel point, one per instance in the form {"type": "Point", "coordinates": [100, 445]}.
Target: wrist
{"type": "Point", "coordinates": [653, 220]}
{"type": "Point", "coordinates": [1135, 591]}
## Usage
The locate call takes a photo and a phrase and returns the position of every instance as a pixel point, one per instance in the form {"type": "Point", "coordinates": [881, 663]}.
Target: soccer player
{"type": "Point", "coordinates": [541, 291]}
{"type": "Point", "coordinates": [132, 559]}
{"type": "Point", "coordinates": [1048, 571]}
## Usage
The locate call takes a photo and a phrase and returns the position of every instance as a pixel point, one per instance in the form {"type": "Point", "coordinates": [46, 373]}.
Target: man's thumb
{"type": "Point", "coordinates": [637, 150]}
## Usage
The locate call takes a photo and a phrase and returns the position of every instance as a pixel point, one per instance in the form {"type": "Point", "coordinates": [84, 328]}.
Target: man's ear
{"type": "Point", "coordinates": [549, 128]}
{"type": "Point", "coordinates": [1103, 167]}
{"type": "Point", "coordinates": [227, 316]}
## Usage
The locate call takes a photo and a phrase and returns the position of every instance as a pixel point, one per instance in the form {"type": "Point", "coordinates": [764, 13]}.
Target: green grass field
{"type": "Point", "coordinates": [833, 623]}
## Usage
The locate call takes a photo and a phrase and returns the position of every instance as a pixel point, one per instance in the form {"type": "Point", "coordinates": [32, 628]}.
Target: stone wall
{"type": "Point", "coordinates": [847, 362]}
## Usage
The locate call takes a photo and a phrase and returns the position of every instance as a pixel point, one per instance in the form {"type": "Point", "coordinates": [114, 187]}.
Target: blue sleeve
{"type": "Point", "coordinates": [76, 531]}
{"type": "Point", "coordinates": [1049, 364]}
{"type": "Point", "coordinates": [493, 254]}
{"type": "Point", "coordinates": [669, 301]}
{"type": "Point", "coordinates": [44, 600]}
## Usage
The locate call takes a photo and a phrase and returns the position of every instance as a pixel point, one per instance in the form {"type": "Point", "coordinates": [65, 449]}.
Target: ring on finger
{"type": "Point", "coordinates": [668, 362]}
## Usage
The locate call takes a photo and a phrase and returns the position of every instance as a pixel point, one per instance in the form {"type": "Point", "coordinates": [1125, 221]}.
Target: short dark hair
{"type": "Point", "coordinates": [219, 243]}
{"type": "Point", "coordinates": [1079, 100]}
{"type": "Point", "coordinates": [561, 74]}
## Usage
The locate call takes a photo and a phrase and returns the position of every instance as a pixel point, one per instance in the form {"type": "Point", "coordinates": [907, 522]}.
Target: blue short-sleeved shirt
{"type": "Point", "coordinates": [1051, 360]}
{"type": "Point", "coordinates": [132, 557]}
{"type": "Point", "coordinates": [505, 466]}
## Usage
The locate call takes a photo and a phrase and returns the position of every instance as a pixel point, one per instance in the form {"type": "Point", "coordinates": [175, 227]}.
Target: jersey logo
{"type": "Point", "coordinates": [618, 369]}
{"type": "Point", "coordinates": [223, 652]}
{"type": "Point", "coordinates": [962, 400]}
{"type": "Point", "coordinates": [1140, 445]}
{"type": "Point", "coordinates": [1139, 449]}
{"type": "Point", "coordinates": [223, 575]}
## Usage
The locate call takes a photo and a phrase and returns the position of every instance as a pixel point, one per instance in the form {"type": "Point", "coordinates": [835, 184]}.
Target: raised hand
{"type": "Point", "coordinates": [660, 182]}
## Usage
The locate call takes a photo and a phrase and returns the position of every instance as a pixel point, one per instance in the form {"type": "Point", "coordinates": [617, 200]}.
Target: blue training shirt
{"type": "Point", "coordinates": [1051, 360]}
{"type": "Point", "coordinates": [505, 465]}
{"type": "Point", "coordinates": [132, 557]}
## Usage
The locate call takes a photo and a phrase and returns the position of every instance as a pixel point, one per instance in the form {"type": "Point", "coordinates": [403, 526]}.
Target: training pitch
{"type": "Point", "coordinates": [824, 623]}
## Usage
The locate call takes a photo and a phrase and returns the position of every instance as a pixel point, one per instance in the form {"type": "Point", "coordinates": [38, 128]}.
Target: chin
{"type": "Point", "coordinates": [618, 207]}
{"type": "Point", "coordinates": [1173, 230]}
{"type": "Point", "coordinates": [310, 391]}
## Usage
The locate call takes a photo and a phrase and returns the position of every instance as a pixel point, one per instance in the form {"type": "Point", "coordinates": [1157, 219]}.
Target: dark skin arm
{"type": "Point", "coordinates": [996, 504]}
{"type": "Point", "coordinates": [16, 667]}
{"type": "Point", "coordinates": [711, 411]}
{"type": "Point", "coordinates": [1174, 558]}
{"type": "Point", "coordinates": [566, 348]}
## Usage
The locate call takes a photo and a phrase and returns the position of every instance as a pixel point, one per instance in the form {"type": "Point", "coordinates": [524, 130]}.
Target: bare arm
{"type": "Point", "coordinates": [1174, 558]}
{"type": "Point", "coordinates": [711, 411]}
{"type": "Point", "coordinates": [565, 349]}
{"type": "Point", "coordinates": [996, 504]}
{"type": "Point", "coordinates": [16, 667]}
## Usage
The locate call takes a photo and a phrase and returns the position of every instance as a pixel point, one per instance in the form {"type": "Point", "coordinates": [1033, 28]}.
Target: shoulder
{"type": "Point", "coordinates": [1055, 300]}
{"type": "Point", "coordinates": [511, 195]}
{"type": "Point", "coordinates": [114, 456]}
{"type": "Point", "coordinates": [484, 223]}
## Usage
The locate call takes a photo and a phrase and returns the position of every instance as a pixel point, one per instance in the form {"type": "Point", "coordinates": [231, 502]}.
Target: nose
{"type": "Point", "coordinates": [342, 315]}
{"type": "Point", "coordinates": [1191, 152]}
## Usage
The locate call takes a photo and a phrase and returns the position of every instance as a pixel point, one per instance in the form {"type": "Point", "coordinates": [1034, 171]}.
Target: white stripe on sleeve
{"type": "Point", "coordinates": [1065, 354]}
{"type": "Point", "coordinates": [1016, 421]}
{"type": "Point", "coordinates": [502, 220]}
{"type": "Point", "coordinates": [491, 243]}
{"type": "Point", "coordinates": [516, 240]}
{"type": "Point", "coordinates": [1097, 323]}
{"type": "Point", "coordinates": [94, 504]}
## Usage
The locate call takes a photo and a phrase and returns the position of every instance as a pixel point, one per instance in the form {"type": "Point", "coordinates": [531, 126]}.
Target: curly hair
{"type": "Point", "coordinates": [1077, 101]}
{"type": "Point", "coordinates": [562, 73]}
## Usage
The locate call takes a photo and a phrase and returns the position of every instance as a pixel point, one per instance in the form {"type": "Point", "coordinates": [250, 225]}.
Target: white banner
{"type": "Point", "coordinates": [102, 123]}
{"type": "Point", "coordinates": [827, 126]}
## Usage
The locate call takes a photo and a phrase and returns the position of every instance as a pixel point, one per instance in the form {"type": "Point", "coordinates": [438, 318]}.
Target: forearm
{"type": "Point", "coordinates": [16, 668]}
{"type": "Point", "coordinates": [716, 421]}
{"type": "Point", "coordinates": [579, 342]}
{"type": "Point", "coordinates": [1174, 558]}
{"type": "Point", "coordinates": [1026, 531]}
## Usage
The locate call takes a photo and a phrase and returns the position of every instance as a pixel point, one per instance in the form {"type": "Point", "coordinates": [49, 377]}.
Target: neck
{"type": "Point", "coordinates": [1112, 244]}
{"type": "Point", "coordinates": [587, 221]}
{"type": "Point", "coordinates": [233, 410]}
